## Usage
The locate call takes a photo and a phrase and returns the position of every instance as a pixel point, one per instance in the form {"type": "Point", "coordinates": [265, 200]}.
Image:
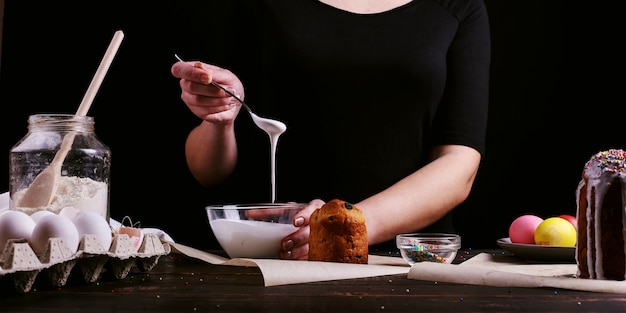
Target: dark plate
{"type": "Point", "coordinates": [539, 253]}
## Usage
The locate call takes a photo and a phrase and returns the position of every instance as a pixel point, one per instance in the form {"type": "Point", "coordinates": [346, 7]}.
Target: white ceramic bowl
{"type": "Point", "coordinates": [252, 230]}
{"type": "Point", "coordinates": [428, 247]}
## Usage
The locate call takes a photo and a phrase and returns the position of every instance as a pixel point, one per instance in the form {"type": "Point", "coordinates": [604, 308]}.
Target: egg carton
{"type": "Point", "coordinates": [19, 262]}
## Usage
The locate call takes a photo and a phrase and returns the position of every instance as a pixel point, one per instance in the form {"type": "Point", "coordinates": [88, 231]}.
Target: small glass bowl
{"type": "Point", "coordinates": [428, 247]}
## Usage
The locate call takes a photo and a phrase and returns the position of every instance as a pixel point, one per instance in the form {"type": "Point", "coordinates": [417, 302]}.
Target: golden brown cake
{"type": "Point", "coordinates": [338, 234]}
{"type": "Point", "coordinates": [601, 218]}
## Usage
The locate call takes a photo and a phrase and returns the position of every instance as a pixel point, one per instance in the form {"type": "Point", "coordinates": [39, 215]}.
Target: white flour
{"type": "Point", "coordinates": [84, 194]}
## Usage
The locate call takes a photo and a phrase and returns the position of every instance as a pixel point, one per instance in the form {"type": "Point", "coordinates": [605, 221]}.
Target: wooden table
{"type": "Point", "coordinates": [182, 284]}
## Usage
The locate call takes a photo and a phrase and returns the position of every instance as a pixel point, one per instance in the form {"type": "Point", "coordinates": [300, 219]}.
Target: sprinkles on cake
{"type": "Point", "coordinates": [612, 160]}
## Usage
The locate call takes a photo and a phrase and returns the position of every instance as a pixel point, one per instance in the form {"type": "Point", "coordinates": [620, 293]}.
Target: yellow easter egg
{"type": "Point", "coordinates": [555, 231]}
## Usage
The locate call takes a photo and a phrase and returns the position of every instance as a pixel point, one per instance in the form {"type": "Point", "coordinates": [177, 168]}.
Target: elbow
{"type": "Point", "coordinates": [208, 177]}
{"type": "Point", "coordinates": [467, 186]}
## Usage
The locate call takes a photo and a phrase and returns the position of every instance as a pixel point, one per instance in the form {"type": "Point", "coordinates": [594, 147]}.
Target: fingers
{"type": "Point", "coordinates": [295, 246]}
{"type": "Point", "coordinates": [302, 218]}
{"type": "Point", "coordinates": [191, 71]}
{"type": "Point", "coordinates": [206, 101]}
{"type": "Point", "coordinates": [270, 214]}
{"type": "Point", "coordinates": [203, 73]}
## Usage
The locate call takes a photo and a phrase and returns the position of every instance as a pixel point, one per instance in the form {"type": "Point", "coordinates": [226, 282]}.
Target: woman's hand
{"type": "Point", "coordinates": [295, 246]}
{"type": "Point", "coordinates": [211, 147]}
{"type": "Point", "coordinates": [206, 101]}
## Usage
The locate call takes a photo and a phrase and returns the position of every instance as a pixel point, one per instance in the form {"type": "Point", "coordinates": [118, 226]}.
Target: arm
{"type": "Point", "coordinates": [423, 197]}
{"type": "Point", "coordinates": [211, 152]}
{"type": "Point", "coordinates": [211, 147]}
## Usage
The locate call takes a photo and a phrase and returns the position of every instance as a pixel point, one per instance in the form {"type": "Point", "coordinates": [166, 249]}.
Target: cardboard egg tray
{"type": "Point", "coordinates": [20, 263]}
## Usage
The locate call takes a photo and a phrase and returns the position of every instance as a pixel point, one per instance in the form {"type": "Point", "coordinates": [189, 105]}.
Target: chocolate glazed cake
{"type": "Point", "coordinates": [601, 217]}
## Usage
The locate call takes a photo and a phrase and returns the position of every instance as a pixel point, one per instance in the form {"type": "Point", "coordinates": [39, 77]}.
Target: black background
{"type": "Point", "coordinates": [557, 77]}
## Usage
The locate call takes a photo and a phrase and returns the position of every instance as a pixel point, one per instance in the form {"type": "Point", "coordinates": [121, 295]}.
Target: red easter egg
{"type": "Point", "coordinates": [571, 219]}
{"type": "Point", "coordinates": [522, 230]}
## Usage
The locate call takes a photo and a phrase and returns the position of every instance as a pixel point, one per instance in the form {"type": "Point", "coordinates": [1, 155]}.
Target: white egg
{"type": "Point", "coordinates": [54, 226]}
{"type": "Point", "coordinates": [92, 223]}
{"type": "Point", "coordinates": [69, 212]}
{"type": "Point", "coordinates": [39, 214]}
{"type": "Point", "coordinates": [14, 225]}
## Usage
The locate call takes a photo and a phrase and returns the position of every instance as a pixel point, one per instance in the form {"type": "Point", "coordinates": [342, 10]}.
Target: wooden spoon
{"type": "Point", "coordinates": [43, 188]}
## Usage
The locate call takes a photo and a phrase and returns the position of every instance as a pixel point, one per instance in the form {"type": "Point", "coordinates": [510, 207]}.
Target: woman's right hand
{"type": "Point", "coordinates": [206, 101]}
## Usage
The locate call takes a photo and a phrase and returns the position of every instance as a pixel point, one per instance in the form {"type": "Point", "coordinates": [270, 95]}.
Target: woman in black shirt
{"type": "Point", "coordinates": [385, 104]}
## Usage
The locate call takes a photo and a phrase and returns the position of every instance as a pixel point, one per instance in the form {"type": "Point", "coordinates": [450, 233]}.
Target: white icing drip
{"type": "Point", "coordinates": [579, 213]}
{"type": "Point", "coordinates": [593, 175]}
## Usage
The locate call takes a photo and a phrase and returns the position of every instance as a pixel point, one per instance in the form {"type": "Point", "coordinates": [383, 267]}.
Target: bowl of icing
{"type": "Point", "coordinates": [252, 230]}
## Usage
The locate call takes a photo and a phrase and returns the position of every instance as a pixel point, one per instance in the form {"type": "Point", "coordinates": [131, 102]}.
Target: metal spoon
{"type": "Point", "coordinates": [270, 126]}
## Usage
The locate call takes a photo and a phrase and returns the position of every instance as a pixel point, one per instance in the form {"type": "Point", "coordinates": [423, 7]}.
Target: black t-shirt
{"type": "Point", "coordinates": [364, 96]}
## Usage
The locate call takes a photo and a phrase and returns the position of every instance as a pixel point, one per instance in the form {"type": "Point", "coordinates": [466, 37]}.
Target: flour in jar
{"type": "Point", "coordinates": [84, 194]}
{"type": "Point", "coordinates": [235, 238]}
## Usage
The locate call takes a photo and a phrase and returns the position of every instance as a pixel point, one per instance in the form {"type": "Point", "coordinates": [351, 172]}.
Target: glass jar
{"type": "Point", "coordinates": [85, 164]}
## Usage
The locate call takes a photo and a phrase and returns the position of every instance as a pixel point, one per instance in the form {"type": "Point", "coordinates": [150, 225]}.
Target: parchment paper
{"type": "Point", "coordinates": [283, 272]}
{"type": "Point", "coordinates": [505, 271]}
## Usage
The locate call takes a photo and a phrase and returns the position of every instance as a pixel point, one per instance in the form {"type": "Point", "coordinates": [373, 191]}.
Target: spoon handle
{"type": "Point", "coordinates": [232, 95]}
{"type": "Point", "coordinates": [98, 77]}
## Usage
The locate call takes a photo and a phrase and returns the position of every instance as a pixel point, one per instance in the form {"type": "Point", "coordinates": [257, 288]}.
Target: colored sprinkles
{"type": "Point", "coordinates": [611, 160]}
{"type": "Point", "coordinates": [420, 253]}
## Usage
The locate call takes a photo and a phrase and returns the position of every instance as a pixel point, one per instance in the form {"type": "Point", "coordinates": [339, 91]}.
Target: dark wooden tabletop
{"type": "Point", "coordinates": [182, 284]}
